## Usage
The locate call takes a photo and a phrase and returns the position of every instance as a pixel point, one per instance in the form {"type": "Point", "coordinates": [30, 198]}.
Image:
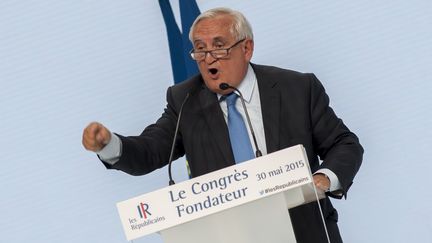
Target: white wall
{"type": "Point", "coordinates": [64, 64]}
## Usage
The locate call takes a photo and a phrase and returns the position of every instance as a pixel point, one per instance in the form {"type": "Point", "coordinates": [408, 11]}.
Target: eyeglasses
{"type": "Point", "coordinates": [217, 54]}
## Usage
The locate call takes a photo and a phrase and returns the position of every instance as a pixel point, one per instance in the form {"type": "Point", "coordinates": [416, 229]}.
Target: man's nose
{"type": "Point", "coordinates": [209, 59]}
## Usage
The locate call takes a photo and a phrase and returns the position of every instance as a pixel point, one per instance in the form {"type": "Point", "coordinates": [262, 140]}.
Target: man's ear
{"type": "Point", "coordinates": [248, 49]}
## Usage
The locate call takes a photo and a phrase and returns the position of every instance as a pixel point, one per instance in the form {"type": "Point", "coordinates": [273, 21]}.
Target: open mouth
{"type": "Point", "coordinates": [213, 71]}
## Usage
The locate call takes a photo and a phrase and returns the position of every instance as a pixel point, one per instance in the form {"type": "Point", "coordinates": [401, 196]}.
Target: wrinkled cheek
{"type": "Point", "coordinates": [203, 72]}
{"type": "Point", "coordinates": [202, 66]}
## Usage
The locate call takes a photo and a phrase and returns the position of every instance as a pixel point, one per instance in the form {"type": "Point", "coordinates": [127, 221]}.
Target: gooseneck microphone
{"type": "Point", "coordinates": [171, 181]}
{"type": "Point", "coordinates": [225, 86]}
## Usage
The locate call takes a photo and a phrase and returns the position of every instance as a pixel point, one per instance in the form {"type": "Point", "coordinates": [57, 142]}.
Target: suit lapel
{"type": "Point", "coordinates": [270, 107]}
{"type": "Point", "coordinates": [216, 122]}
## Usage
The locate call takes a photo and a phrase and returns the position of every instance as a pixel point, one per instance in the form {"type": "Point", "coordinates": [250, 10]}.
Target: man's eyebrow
{"type": "Point", "coordinates": [215, 39]}
{"type": "Point", "coordinates": [219, 39]}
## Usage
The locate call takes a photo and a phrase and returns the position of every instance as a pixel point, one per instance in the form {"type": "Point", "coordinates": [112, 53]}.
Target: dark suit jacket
{"type": "Point", "coordinates": [295, 110]}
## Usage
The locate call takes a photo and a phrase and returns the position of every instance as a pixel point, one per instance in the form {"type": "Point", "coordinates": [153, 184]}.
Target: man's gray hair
{"type": "Point", "coordinates": [240, 28]}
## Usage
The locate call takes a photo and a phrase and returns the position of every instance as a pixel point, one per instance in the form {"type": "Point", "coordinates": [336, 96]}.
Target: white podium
{"type": "Point", "coordinates": [244, 203]}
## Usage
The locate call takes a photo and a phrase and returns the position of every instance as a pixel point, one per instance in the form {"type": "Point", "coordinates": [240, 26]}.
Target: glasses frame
{"type": "Point", "coordinates": [212, 52]}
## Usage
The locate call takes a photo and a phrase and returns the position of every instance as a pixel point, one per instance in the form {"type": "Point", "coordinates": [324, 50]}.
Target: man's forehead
{"type": "Point", "coordinates": [214, 39]}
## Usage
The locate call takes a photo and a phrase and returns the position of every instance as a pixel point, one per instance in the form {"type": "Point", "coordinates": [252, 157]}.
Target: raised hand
{"type": "Point", "coordinates": [95, 137]}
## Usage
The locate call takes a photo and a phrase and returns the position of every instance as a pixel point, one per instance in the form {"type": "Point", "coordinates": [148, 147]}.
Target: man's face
{"type": "Point", "coordinates": [214, 33]}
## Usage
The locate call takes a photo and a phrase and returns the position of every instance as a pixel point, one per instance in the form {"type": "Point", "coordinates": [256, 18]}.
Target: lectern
{"type": "Point", "coordinates": [243, 203]}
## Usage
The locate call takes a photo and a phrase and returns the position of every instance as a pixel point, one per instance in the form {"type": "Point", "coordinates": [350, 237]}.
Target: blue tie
{"type": "Point", "coordinates": [239, 137]}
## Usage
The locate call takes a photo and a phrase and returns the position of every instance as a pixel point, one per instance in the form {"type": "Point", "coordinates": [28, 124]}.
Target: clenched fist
{"type": "Point", "coordinates": [95, 137]}
{"type": "Point", "coordinates": [321, 181]}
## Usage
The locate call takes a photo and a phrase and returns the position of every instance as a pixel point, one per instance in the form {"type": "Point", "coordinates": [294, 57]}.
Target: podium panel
{"type": "Point", "coordinates": [261, 200]}
{"type": "Point", "coordinates": [243, 224]}
{"type": "Point", "coordinates": [265, 220]}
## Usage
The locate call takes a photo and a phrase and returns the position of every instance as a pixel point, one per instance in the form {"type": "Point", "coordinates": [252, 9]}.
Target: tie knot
{"type": "Point", "coordinates": [231, 99]}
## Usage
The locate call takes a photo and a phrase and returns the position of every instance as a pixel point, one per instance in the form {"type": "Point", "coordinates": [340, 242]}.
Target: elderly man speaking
{"type": "Point", "coordinates": [286, 108]}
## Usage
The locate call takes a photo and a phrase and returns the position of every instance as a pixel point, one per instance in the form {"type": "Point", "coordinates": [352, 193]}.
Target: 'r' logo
{"type": "Point", "coordinates": [143, 210]}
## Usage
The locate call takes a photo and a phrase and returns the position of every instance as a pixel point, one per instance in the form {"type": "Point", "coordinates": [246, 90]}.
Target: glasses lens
{"type": "Point", "coordinates": [198, 55]}
{"type": "Point", "coordinates": [219, 53]}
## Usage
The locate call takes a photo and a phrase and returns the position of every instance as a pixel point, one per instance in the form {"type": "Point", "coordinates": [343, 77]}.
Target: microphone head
{"type": "Point", "coordinates": [224, 86]}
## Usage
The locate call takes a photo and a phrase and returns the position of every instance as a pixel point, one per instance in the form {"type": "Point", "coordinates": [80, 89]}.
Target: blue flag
{"type": "Point", "coordinates": [183, 66]}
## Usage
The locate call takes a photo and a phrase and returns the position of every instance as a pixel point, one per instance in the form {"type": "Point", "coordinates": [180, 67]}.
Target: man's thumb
{"type": "Point", "coordinates": [102, 137]}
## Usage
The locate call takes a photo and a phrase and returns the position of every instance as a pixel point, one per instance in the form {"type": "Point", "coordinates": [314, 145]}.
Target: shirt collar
{"type": "Point", "coordinates": [247, 85]}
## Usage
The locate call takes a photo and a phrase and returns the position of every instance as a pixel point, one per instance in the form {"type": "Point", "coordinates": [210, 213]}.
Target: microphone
{"type": "Point", "coordinates": [171, 181]}
{"type": "Point", "coordinates": [225, 86]}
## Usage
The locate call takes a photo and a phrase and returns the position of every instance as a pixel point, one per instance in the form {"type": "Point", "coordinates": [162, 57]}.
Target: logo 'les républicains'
{"type": "Point", "coordinates": [145, 214]}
